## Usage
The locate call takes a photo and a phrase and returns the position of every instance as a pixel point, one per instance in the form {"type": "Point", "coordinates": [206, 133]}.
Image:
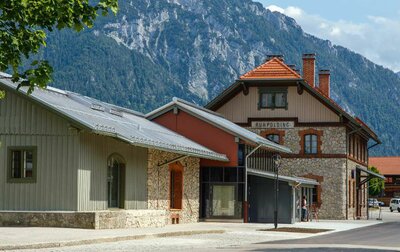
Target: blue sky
{"type": "Point", "coordinates": [369, 27]}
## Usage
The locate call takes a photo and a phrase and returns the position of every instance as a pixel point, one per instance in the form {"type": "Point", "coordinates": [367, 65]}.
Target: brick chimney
{"type": "Point", "coordinates": [324, 82]}
{"type": "Point", "coordinates": [309, 68]}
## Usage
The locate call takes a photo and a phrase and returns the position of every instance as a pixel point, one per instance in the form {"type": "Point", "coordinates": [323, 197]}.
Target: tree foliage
{"type": "Point", "coordinates": [23, 27]}
{"type": "Point", "coordinates": [376, 185]}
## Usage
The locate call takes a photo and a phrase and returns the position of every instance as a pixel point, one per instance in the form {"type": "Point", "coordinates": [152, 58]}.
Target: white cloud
{"type": "Point", "coordinates": [378, 38]}
{"type": "Point", "coordinates": [275, 8]}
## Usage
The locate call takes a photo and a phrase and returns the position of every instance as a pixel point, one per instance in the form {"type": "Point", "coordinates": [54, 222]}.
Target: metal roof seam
{"type": "Point", "coordinates": [131, 128]}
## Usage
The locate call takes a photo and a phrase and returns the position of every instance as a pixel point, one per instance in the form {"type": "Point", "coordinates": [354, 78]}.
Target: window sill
{"type": "Point", "coordinates": [273, 108]}
{"type": "Point", "coordinates": [175, 209]}
{"type": "Point", "coordinates": [21, 181]}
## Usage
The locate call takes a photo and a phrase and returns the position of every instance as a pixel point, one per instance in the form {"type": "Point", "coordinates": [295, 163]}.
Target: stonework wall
{"type": "Point", "coordinates": [333, 190]}
{"type": "Point", "coordinates": [352, 194]}
{"type": "Point", "coordinates": [332, 169]}
{"type": "Point", "coordinates": [130, 219]}
{"type": "Point", "coordinates": [47, 219]}
{"type": "Point", "coordinates": [108, 219]}
{"type": "Point", "coordinates": [159, 186]}
{"type": "Point", "coordinates": [333, 139]}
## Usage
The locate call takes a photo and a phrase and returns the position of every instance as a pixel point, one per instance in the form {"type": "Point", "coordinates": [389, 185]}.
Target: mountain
{"type": "Point", "coordinates": [153, 50]}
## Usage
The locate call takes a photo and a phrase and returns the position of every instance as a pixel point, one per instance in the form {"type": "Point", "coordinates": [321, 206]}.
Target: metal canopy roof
{"type": "Point", "coordinates": [369, 172]}
{"type": "Point", "coordinates": [218, 121]}
{"type": "Point", "coordinates": [110, 120]}
{"type": "Point", "coordinates": [270, 175]}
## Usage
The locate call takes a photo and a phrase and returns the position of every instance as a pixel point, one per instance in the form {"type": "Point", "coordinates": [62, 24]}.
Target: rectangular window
{"type": "Point", "coordinates": [22, 162]}
{"type": "Point", "coordinates": [273, 98]}
{"type": "Point", "coordinates": [310, 144]}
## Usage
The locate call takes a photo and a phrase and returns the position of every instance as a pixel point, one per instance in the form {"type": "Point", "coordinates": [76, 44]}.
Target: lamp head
{"type": "Point", "coordinates": [277, 159]}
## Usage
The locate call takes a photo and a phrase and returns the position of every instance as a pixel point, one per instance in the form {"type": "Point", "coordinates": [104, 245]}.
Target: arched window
{"type": "Point", "coordinates": [176, 185]}
{"type": "Point", "coordinates": [274, 138]}
{"type": "Point", "coordinates": [310, 144]}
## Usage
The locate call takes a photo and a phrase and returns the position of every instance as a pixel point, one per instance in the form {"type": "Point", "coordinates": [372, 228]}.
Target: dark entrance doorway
{"type": "Point", "coordinates": [221, 193]}
{"type": "Point", "coordinates": [116, 182]}
{"type": "Point", "coordinates": [261, 198]}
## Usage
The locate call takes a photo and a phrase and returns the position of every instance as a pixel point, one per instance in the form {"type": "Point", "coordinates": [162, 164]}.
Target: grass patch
{"type": "Point", "coordinates": [296, 230]}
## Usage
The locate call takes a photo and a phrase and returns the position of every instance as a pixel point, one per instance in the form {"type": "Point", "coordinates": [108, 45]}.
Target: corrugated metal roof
{"type": "Point", "coordinates": [110, 120]}
{"type": "Point", "coordinates": [220, 122]}
{"type": "Point", "coordinates": [270, 175]}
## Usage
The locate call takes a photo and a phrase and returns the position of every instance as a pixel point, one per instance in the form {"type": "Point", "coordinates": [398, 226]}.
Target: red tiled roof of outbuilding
{"type": "Point", "coordinates": [272, 69]}
{"type": "Point", "coordinates": [386, 165]}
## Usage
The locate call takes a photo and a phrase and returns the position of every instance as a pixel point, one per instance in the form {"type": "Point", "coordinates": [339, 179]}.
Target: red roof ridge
{"type": "Point", "coordinates": [261, 72]}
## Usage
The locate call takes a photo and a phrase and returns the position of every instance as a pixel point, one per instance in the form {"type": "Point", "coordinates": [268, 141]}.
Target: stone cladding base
{"type": "Point", "coordinates": [88, 220]}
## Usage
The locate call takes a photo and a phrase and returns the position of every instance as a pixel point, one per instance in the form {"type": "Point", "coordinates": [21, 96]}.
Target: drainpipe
{"type": "Point", "coordinates": [245, 204]}
{"type": "Point", "coordinates": [370, 147]}
{"type": "Point", "coordinates": [347, 170]}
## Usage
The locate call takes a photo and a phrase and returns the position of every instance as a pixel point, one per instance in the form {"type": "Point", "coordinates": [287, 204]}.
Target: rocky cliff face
{"type": "Point", "coordinates": [156, 49]}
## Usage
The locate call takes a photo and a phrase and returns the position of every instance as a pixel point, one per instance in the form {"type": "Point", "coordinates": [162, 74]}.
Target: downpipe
{"type": "Point", "coordinates": [245, 203]}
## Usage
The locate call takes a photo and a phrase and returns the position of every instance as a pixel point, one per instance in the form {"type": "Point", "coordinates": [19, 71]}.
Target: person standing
{"type": "Point", "coordinates": [304, 209]}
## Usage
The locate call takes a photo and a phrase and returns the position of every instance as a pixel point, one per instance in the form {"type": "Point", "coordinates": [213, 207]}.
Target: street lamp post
{"type": "Point", "coordinates": [277, 162]}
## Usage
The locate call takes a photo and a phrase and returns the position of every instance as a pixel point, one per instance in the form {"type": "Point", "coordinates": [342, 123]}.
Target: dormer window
{"type": "Point", "coordinates": [273, 98]}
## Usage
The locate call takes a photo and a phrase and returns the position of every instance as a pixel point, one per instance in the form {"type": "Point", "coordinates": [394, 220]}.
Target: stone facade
{"type": "Point", "coordinates": [333, 190]}
{"type": "Point", "coordinates": [352, 193]}
{"type": "Point", "coordinates": [333, 139]}
{"type": "Point", "coordinates": [47, 219]}
{"type": "Point", "coordinates": [332, 169]}
{"type": "Point", "coordinates": [88, 220]}
{"type": "Point", "coordinates": [130, 219]}
{"type": "Point", "coordinates": [159, 186]}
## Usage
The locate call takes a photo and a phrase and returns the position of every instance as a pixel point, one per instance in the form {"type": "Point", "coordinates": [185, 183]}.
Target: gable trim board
{"type": "Point", "coordinates": [166, 140]}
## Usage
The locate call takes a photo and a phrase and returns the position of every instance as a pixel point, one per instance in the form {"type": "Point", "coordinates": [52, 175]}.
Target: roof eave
{"type": "Point", "coordinates": [217, 157]}
{"type": "Point", "coordinates": [341, 112]}
{"type": "Point", "coordinates": [269, 79]}
{"type": "Point", "coordinates": [46, 106]}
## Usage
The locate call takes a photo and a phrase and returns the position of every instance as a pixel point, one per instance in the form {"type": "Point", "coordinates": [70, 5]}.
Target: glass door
{"type": "Point", "coordinates": [223, 201]}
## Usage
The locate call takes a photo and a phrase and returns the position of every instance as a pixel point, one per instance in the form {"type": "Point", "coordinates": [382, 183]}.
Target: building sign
{"type": "Point", "coordinates": [272, 125]}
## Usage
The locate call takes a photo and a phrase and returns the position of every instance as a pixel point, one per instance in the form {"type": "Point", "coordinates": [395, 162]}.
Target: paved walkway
{"type": "Point", "coordinates": [35, 238]}
{"type": "Point", "coordinates": [384, 234]}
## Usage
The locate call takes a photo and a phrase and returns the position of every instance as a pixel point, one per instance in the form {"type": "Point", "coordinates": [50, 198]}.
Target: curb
{"type": "Point", "coordinates": [107, 239]}
{"type": "Point", "coordinates": [322, 246]}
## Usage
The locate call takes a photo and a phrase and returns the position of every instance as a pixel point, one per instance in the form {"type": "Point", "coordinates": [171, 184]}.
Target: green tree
{"type": "Point", "coordinates": [23, 27]}
{"type": "Point", "coordinates": [376, 185]}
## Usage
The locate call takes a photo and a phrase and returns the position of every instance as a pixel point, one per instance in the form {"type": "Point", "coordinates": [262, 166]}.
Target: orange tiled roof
{"type": "Point", "coordinates": [272, 69]}
{"type": "Point", "coordinates": [386, 165]}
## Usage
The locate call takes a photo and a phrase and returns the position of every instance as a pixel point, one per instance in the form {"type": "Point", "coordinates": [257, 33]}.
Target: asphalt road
{"type": "Point", "coordinates": [385, 235]}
